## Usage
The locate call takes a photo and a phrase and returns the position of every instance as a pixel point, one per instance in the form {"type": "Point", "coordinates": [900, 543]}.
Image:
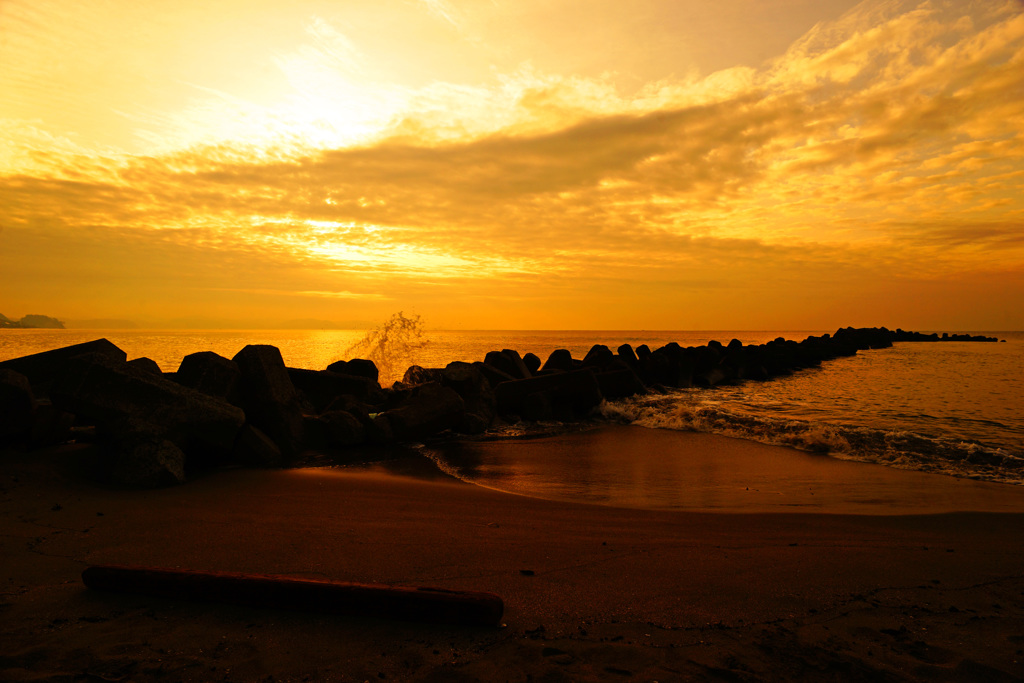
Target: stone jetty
{"type": "Point", "coordinates": [152, 428]}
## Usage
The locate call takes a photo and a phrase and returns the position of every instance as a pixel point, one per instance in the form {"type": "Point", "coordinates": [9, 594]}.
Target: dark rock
{"type": "Point", "coordinates": [509, 362]}
{"type": "Point", "coordinates": [431, 409]}
{"type": "Point", "coordinates": [477, 395]}
{"type": "Point", "coordinates": [568, 393]}
{"type": "Point", "coordinates": [253, 448]}
{"type": "Point", "coordinates": [17, 405]}
{"type": "Point", "coordinates": [418, 375]}
{"type": "Point", "coordinates": [42, 368]}
{"type": "Point", "coordinates": [343, 429]}
{"type": "Point", "coordinates": [628, 355]}
{"type": "Point", "coordinates": [493, 375]}
{"type": "Point", "coordinates": [209, 373]}
{"type": "Point", "coordinates": [358, 367]}
{"type": "Point", "coordinates": [532, 363]}
{"type": "Point", "coordinates": [619, 383]}
{"type": "Point", "coordinates": [599, 357]}
{"type": "Point", "coordinates": [123, 400]}
{"type": "Point", "coordinates": [146, 365]}
{"type": "Point", "coordinates": [560, 359]}
{"type": "Point", "coordinates": [147, 461]}
{"type": "Point", "coordinates": [270, 401]}
{"type": "Point", "coordinates": [322, 387]}
{"type": "Point", "coordinates": [50, 425]}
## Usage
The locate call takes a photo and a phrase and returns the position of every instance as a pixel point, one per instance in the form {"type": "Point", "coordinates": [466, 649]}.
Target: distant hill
{"type": "Point", "coordinates": [32, 321]}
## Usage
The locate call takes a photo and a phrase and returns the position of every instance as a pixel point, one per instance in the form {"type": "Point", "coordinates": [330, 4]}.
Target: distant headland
{"type": "Point", "coordinates": [30, 321]}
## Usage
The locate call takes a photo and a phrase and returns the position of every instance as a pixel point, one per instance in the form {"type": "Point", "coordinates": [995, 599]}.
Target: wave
{"type": "Point", "coordinates": [901, 449]}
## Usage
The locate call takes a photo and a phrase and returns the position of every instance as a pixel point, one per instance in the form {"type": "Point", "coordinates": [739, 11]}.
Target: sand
{"type": "Point", "coordinates": [591, 592]}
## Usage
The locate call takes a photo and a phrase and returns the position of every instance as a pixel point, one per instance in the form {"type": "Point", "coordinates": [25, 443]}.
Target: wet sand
{"type": "Point", "coordinates": [591, 592]}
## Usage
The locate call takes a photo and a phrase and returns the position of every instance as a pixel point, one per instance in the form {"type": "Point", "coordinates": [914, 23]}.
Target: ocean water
{"type": "Point", "coordinates": [950, 407]}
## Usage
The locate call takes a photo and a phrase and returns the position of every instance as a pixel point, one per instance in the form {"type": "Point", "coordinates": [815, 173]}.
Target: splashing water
{"type": "Point", "coordinates": [391, 346]}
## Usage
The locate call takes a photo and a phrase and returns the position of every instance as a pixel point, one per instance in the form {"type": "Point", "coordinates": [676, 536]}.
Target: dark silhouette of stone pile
{"type": "Point", "coordinates": [154, 428]}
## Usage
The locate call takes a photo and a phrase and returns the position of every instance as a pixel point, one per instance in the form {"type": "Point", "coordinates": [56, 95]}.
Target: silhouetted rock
{"type": "Point", "coordinates": [209, 373]}
{"type": "Point", "coordinates": [618, 383]}
{"type": "Point", "coordinates": [560, 359]}
{"type": "Point", "coordinates": [146, 365]}
{"type": "Point", "coordinates": [532, 362]}
{"type": "Point", "coordinates": [253, 448]}
{"type": "Point", "coordinates": [509, 362]}
{"type": "Point", "coordinates": [17, 405]}
{"type": "Point", "coordinates": [343, 429]}
{"type": "Point", "coordinates": [627, 354]}
{"type": "Point", "coordinates": [270, 401]}
{"type": "Point", "coordinates": [493, 375]}
{"type": "Point", "coordinates": [477, 395]}
{"type": "Point", "coordinates": [430, 409]}
{"type": "Point", "coordinates": [599, 357]}
{"type": "Point", "coordinates": [321, 387]}
{"type": "Point", "coordinates": [50, 425]}
{"type": "Point", "coordinates": [574, 393]}
{"type": "Point", "coordinates": [128, 403]}
{"type": "Point", "coordinates": [419, 375]}
{"type": "Point", "coordinates": [41, 368]}
{"type": "Point", "coordinates": [147, 461]}
{"type": "Point", "coordinates": [358, 367]}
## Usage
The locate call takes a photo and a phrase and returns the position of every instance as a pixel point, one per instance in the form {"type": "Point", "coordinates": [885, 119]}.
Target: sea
{"type": "Point", "coordinates": [953, 408]}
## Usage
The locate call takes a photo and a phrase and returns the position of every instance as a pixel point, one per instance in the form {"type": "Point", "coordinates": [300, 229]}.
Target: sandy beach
{"type": "Point", "coordinates": [872, 592]}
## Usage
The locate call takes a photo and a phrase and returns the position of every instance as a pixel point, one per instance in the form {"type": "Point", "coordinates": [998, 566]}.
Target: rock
{"type": "Point", "coordinates": [358, 367]}
{"type": "Point", "coordinates": [493, 375]}
{"type": "Point", "coordinates": [122, 400]}
{"type": "Point", "coordinates": [42, 368]}
{"type": "Point", "coordinates": [599, 357]}
{"type": "Point", "coordinates": [532, 363]}
{"type": "Point", "coordinates": [509, 362]}
{"type": "Point", "coordinates": [147, 461]}
{"type": "Point", "coordinates": [50, 425]}
{"type": "Point", "coordinates": [560, 359]}
{"type": "Point", "coordinates": [477, 395]}
{"type": "Point", "coordinates": [253, 448]}
{"type": "Point", "coordinates": [270, 401]}
{"type": "Point", "coordinates": [343, 429]}
{"type": "Point", "coordinates": [619, 383]}
{"type": "Point", "coordinates": [572, 393]}
{"type": "Point", "coordinates": [431, 409]}
{"type": "Point", "coordinates": [628, 355]}
{"type": "Point", "coordinates": [146, 365]}
{"type": "Point", "coordinates": [418, 375]}
{"type": "Point", "coordinates": [322, 387]}
{"type": "Point", "coordinates": [210, 373]}
{"type": "Point", "coordinates": [17, 405]}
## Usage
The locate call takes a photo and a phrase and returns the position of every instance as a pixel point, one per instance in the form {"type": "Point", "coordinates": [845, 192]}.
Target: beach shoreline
{"type": "Point", "coordinates": [591, 592]}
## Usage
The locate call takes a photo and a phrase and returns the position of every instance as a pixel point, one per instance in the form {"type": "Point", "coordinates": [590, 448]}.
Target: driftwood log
{"type": "Point", "coordinates": [259, 590]}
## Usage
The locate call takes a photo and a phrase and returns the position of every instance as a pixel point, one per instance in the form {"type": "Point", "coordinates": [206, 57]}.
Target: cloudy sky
{"type": "Point", "coordinates": [515, 164]}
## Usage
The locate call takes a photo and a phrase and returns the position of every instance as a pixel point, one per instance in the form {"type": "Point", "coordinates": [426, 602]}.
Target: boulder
{"type": "Point", "coordinates": [619, 383]}
{"type": "Point", "coordinates": [432, 408]}
{"type": "Point", "coordinates": [42, 368]}
{"type": "Point", "coordinates": [358, 367]}
{"type": "Point", "coordinates": [123, 400]}
{"type": "Point", "coordinates": [560, 359]}
{"type": "Point", "coordinates": [599, 357]}
{"type": "Point", "coordinates": [322, 387]}
{"type": "Point", "coordinates": [268, 397]}
{"type": "Point", "coordinates": [17, 405]}
{"type": "Point", "coordinates": [208, 372]}
{"type": "Point", "coordinates": [147, 461]}
{"type": "Point", "coordinates": [253, 448]}
{"type": "Point", "coordinates": [572, 393]}
{"type": "Point", "coordinates": [343, 429]}
{"type": "Point", "coordinates": [50, 425]}
{"type": "Point", "coordinates": [146, 365]}
{"type": "Point", "coordinates": [509, 362]}
{"type": "Point", "coordinates": [477, 395]}
{"type": "Point", "coordinates": [419, 375]}
{"type": "Point", "coordinates": [493, 375]}
{"type": "Point", "coordinates": [628, 355]}
{"type": "Point", "coordinates": [532, 363]}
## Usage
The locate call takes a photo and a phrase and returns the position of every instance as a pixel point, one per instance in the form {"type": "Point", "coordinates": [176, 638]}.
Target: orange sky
{"type": "Point", "coordinates": [660, 164]}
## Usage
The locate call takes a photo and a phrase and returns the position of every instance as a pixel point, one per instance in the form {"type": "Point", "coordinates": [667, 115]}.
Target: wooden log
{"type": "Point", "coordinates": [283, 592]}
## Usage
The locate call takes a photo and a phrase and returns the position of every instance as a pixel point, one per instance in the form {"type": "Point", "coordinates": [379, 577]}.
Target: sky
{"type": "Point", "coordinates": [514, 164]}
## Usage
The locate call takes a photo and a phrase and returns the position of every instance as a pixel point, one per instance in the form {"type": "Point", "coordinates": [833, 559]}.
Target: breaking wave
{"type": "Point", "coordinates": [901, 449]}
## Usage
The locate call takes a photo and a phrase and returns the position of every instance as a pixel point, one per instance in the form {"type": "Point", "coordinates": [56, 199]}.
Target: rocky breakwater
{"type": "Point", "coordinates": [153, 428]}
